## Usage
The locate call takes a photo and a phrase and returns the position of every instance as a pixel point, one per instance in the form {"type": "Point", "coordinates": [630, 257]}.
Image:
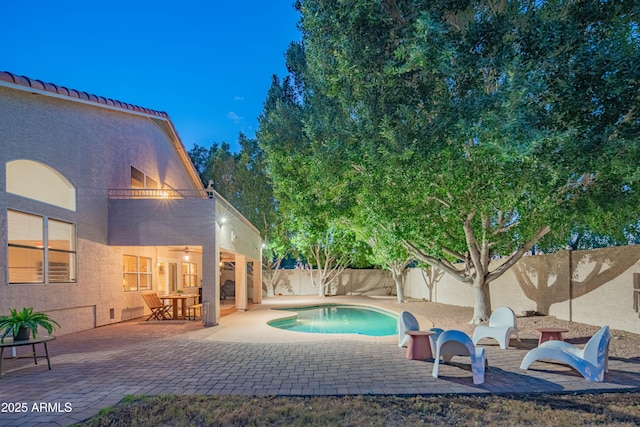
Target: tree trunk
{"type": "Point", "coordinates": [321, 283]}
{"type": "Point", "coordinates": [270, 292]}
{"type": "Point", "coordinates": [397, 278]}
{"type": "Point", "coordinates": [267, 277]}
{"type": "Point", "coordinates": [271, 274]}
{"type": "Point", "coordinates": [482, 306]}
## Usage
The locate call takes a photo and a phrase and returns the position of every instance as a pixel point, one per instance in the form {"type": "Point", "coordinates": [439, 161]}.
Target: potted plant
{"type": "Point", "coordinates": [24, 323]}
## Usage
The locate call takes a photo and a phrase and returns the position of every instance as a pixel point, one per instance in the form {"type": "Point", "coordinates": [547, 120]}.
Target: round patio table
{"type": "Point", "coordinates": [548, 334]}
{"type": "Point", "coordinates": [43, 339]}
{"type": "Point", "coordinates": [419, 347]}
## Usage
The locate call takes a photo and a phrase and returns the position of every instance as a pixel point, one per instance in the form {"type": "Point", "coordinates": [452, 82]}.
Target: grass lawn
{"type": "Point", "coordinates": [611, 409]}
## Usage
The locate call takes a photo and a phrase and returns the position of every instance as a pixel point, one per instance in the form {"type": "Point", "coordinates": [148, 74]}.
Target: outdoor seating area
{"type": "Point", "coordinates": [178, 309]}
{"type": "Point", "coordinates": [233, 359]}
{"type": "Point", "coordinates": [441, 346]}
{"type": "Point", "coordinates": [179, 305]}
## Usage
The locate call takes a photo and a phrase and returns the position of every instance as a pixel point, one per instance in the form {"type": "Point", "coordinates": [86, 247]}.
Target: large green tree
{"type": "Point", "coordinates": [392, 256]}
{"type": "Point", "coordinates": [474, 129]}
{"type": "Point", "coordinates": [310, 196]}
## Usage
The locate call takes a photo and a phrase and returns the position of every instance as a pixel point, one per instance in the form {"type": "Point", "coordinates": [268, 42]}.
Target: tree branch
{"type": "Point", "coordinates": [513, 259]}
{"type": "Point", "coordinates": [472, 243]}
{"type": "Point", "coordinates": [453, 253]}
{"type": "Point", "coordinates": [433, 261]}
{"type": "Point", "coordinates": [438, 199]}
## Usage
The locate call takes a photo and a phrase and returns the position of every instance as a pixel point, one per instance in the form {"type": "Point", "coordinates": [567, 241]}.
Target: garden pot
{"type": "Point", "coordinates": [23, 334]}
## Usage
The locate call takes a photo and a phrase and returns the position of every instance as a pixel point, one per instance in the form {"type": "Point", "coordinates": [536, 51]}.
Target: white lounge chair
{"type": "Point", "coordinates": [502, 324]}
{"type": "Point", "coordinates": [457, 343]}
{"type": "Point", "coordinates": [433, 339]}
{"type": "Point", "coordinates": [406, 322]}
{"type": "Point", "coordinates": [592, 361]}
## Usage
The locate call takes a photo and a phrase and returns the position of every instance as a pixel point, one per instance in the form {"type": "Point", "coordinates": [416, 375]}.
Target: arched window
{"type": "Point", "coordinates": [40, 182]}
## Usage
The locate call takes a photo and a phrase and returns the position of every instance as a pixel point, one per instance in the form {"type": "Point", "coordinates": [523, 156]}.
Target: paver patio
{"type": "Point", "coordinates": [244, 356]}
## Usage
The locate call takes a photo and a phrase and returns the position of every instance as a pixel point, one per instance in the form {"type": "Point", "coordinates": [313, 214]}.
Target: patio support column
{"type": "Point", "coordinates": [257, 282]}
{"type": "Point", "coordinates": [241, 282]}
{"type": "Point", "coordinates": [210, 284]}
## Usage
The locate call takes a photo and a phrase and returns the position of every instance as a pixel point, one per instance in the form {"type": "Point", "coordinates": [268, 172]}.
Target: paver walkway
{"type": "Point", "coordinates": [243, 356]}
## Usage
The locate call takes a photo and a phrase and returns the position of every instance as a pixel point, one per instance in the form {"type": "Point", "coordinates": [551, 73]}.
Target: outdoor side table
{"type": "Point", "coordinates": [419, 347]}
{"type": "Point", "coordinates": [44, 339]}
{"type": "Point", "coordinates": [548, 334]}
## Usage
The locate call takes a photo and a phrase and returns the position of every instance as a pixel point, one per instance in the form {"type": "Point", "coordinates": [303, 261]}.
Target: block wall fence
{"type": "Point", "coordinates": [595, 287]}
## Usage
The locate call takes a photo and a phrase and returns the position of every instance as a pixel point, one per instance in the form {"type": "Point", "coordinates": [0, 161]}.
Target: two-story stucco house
{"type": "Point", "coordinates": [100, 203]}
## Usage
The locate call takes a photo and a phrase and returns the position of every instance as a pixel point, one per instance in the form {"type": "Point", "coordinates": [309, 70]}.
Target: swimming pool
{"type": "Point", "coordinates": [339, 319]}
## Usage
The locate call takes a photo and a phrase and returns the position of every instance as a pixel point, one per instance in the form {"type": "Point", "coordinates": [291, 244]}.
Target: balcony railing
{"type": "Point", "coordinates": [148, 193]}
{"type": "Point", "coordinates": [171, 194]}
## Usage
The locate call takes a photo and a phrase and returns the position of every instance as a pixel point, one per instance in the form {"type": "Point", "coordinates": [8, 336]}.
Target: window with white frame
{"type": "Point", "coordinates": [189, 274]}
{"type": "Point", "coordinates": [40, 249]}
{"type": "Point", "coordinates": [136, 273]}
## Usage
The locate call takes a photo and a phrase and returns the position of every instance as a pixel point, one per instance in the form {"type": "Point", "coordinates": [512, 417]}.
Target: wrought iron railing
{"type": "Point", "coordinates": [172, 194]}
{"type": "Point", "coordinates": [149, 193]}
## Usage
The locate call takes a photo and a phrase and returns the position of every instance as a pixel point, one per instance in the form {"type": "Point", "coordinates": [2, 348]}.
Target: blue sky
{"type": "Point", "coordinates": [208, 64]}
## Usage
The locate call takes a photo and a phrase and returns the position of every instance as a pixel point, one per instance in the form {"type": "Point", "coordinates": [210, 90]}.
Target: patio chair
{"type": "Point", "coordinates": [502, 324]}
{"type": "Point", "coordinates": [195, 308]}
{"type": "Point", "coordinates": [457, 343]}
{"type": "Point", "coordinates": [159, 310]}
{"type": "Point", "coordinates": [406, 322]}
{"type": "Point", "coordinates": [592, 361]}
{"type": "Point", "coordinates": [433, 339]}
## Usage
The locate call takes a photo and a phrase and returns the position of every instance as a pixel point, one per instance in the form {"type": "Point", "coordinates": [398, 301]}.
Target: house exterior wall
{"type": "Point", "coordinates": [152, 222]}
{"type": "Point", "coordinates": [94, 147]}
{"type": "Point", "coordinates": [87, 148]}
{"type": "Point", "coordinates": [235, 234]}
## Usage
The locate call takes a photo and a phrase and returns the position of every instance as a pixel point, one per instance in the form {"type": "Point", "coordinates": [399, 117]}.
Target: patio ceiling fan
{"type": "Point", "coordinates": [185, 250]}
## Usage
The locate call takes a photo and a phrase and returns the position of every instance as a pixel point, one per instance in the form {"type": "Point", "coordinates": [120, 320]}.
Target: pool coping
{"type": "Point", "coordinates": [297, 308]}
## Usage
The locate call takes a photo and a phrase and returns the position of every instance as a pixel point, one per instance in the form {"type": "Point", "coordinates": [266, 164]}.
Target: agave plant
{"type": "Point", "coordinates": [26, 318]}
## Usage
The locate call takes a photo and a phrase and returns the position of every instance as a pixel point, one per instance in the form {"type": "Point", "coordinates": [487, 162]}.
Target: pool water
{"type": "Point", "coordinates": [339, 319]}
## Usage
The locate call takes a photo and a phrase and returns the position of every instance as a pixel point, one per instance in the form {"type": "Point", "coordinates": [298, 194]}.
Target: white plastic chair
{"type": "Point", "coordinates": [457, 343]}
{"type": "Point", "coordinates": [406, 322]}
{"type": "Point", "coordinates": [592, 361]}
{"type": "Point", "coordinates": [433, 339]}
{"type": "Point", "coordinates": [502, 324]}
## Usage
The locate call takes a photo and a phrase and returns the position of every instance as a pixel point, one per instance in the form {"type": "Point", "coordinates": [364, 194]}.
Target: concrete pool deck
{"type": "Point", "coordinates": [95, 369]}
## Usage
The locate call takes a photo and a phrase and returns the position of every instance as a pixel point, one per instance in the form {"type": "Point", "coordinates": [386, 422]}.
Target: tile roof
{"type": "Point", "coordinates": [39, 85]}
{"type": "Point", "coordinates": [72, 93]}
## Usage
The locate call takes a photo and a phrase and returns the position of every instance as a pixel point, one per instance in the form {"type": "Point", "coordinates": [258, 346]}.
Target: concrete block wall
{"type": "Point", "coordinates": [596, 287]}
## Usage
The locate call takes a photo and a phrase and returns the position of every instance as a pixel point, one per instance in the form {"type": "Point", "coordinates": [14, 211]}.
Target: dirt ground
{"type": "Point", "coordinates": [623, 344]}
